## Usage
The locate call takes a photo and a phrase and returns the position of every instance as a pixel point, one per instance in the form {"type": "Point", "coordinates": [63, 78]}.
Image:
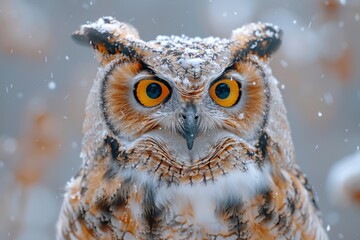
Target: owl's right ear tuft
{"type": "Point", "coordinates": [261, 39]}
{"type": "Point", "coordinates": [109, 38]}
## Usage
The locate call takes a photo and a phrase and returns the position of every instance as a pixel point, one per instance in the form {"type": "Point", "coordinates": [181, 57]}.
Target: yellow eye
{"type": "Point", "coordinates": [151, 92]}
{"type": "Point", "coordinates": [225, 92]}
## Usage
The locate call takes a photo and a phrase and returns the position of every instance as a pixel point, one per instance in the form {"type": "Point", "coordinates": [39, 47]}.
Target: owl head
{"type": "Point", "coordinates": [184, 101]}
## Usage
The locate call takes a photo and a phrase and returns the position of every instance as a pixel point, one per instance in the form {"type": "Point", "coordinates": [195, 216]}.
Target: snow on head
{"type": "Point", "coordinates": [110, 26]}
{"type": "Point", "coordinates": [103, 24]}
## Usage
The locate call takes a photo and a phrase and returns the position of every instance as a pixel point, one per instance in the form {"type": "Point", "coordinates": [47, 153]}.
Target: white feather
{"type": "Point", "coordinates": [203, 198]}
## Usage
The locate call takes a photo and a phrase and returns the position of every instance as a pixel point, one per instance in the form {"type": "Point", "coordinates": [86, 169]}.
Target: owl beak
{"type": "Point", "coordinates": [190, 126]}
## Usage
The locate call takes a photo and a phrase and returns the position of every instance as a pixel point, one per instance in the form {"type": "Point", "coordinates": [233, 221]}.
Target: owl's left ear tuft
{"type": "Point", "coordinates": [109, 38]}
{"type": "Point", "coordinates": [261, 39]}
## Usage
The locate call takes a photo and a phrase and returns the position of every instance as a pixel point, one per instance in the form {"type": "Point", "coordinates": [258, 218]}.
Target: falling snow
{"type": "Point", "coordinates": [328, 228]}
{"type": "Point", "coordinates": [328, 98]}
{"type": "Point", "coordinates": [51, 85]}
{"type": "Point", "coordinates": [310, 23]}
{"type": "Point", "coordinates": [284, 64]}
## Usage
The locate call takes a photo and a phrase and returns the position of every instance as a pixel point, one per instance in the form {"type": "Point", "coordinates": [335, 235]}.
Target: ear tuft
{"type": "Point", "coordinates": [108, 37]}
{"type": "Point", "coordinates": [260, 39]}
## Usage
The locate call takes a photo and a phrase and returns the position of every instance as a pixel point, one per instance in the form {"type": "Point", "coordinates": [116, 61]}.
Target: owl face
{"type": "Point", "coordinates": [185, 97]}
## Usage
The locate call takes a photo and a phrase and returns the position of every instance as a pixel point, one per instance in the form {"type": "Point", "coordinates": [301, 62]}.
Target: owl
{"type": "Point", "coordinates": [186, 138]}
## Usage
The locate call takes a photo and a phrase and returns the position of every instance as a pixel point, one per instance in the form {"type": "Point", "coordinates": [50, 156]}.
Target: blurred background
{"type": "Point", "coordinates": [45, 78]}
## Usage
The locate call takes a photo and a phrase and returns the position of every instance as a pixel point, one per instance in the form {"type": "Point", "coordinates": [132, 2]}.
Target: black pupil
{"type": "Point", "coordinates": [153, 90]}
{"type": "Point", "coordinates": [222, 90]}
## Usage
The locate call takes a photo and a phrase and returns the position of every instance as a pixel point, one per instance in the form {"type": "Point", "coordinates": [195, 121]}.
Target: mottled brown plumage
{"type": "Point", "coordinates": [186, 138]}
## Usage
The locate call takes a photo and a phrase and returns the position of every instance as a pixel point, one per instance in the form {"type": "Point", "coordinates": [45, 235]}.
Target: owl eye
{"type": "Point", "coordinates": [225, 92]}
{"type": "Point", "coordinates": [151, 92]}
